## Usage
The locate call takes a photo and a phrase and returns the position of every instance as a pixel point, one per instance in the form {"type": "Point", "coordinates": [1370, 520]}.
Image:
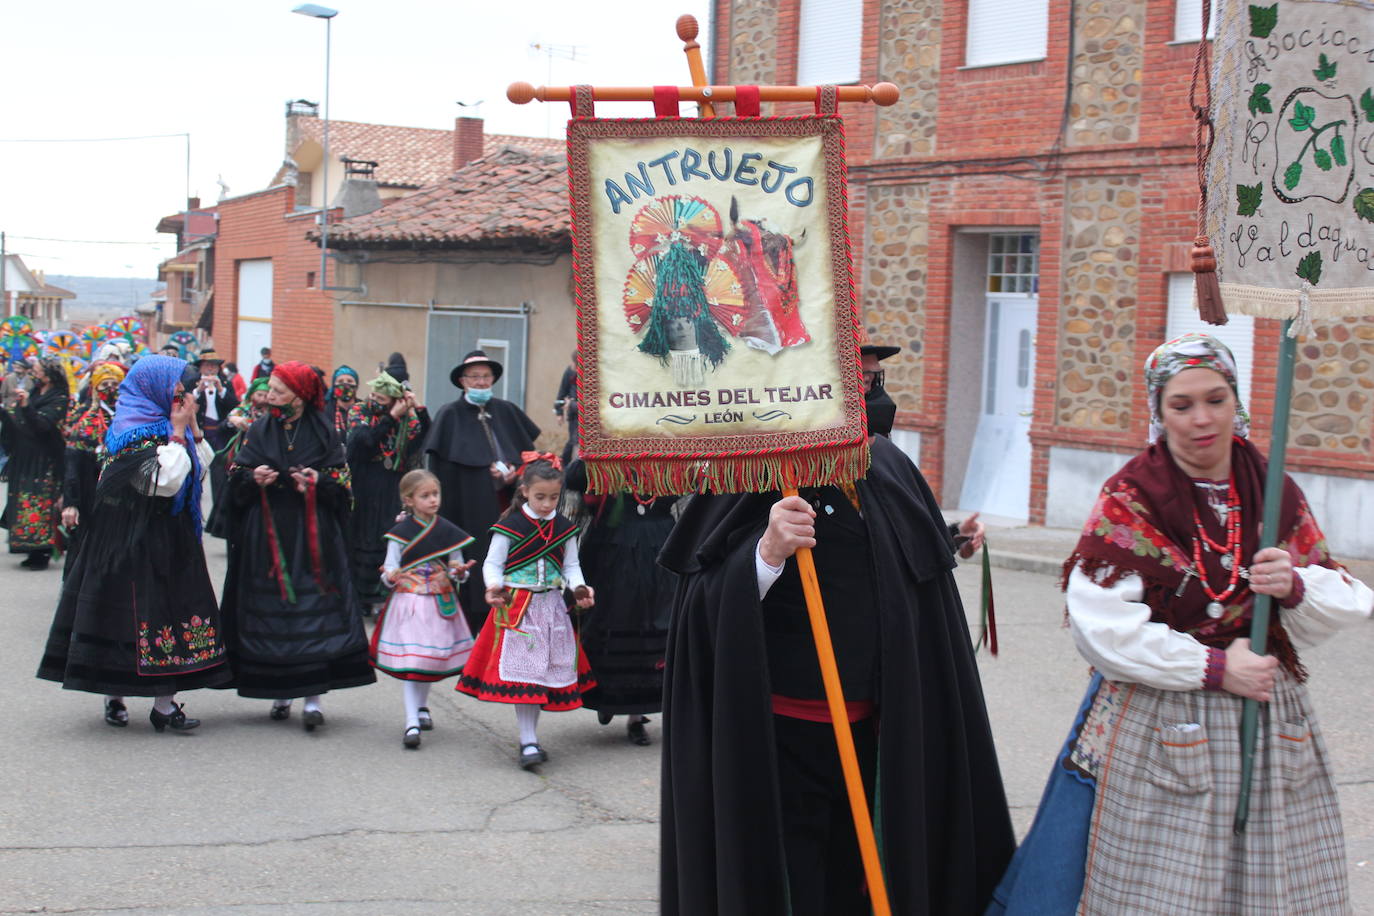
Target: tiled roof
{"type": "Point", "coordinates": [406, 157]}
{"type": "Point", "coordinates": [510, 196]}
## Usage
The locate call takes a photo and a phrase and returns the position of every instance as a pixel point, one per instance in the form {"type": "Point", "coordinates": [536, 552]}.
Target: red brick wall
{"type": "Point", "coordinates": [997, 162]}
{"type": "Point", "coordinates": [265, 225]}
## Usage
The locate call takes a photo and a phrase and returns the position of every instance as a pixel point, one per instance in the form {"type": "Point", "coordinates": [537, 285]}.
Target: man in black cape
{"type": "Point", "coordinates": [474, 449]}
{"type": "Point", "coordinates": [755, 815]}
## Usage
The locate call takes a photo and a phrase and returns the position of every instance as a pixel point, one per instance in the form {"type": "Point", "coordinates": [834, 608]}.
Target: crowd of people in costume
{"type": "Point", "coordinates": [491, 566]}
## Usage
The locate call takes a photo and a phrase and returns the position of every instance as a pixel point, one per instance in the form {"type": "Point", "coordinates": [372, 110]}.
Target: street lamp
{"type": "Point", "coordinates": [315, 11]}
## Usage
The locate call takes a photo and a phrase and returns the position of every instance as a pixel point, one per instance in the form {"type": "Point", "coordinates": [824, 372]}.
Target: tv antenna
{"type": "Point", "coordinates": [563, 52]}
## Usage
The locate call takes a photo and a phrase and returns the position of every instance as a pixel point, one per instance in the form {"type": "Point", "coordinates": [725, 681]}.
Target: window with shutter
{"type": "Point", "coordinates": [1006, 32]}
{"type": "Point", "coordinates": [1238, 333]}
{"type": "Point", "coordinates": [829, 38]}
{"type": "Point", "coordinates": [1188, 20]}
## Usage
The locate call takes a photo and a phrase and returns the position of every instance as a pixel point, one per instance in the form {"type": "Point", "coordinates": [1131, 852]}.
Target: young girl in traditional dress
{"type": "Point", "coordinates": [422, 636]}
{"type": "Point", "coordinates": [527, 653]}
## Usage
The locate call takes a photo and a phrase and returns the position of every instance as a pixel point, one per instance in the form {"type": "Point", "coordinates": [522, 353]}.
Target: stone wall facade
{"type": "Point", "coordinates": [1333, 388]}
{"type": "Point", "coordinates": [909, 55]}
{"type": "Point", "coordinates": [753, 47]}
{"type": "Point", "coordinates": [1108, 64]}
{"type": "Point", "coordinates": [895, 253]}
{"type": "Point", "coordinates": [1097, 369]}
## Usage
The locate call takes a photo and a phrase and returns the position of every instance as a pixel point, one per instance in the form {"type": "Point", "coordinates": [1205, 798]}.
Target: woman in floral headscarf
{"type": "Point", "coordinates": [138, 615]}
{"type": "Point", "coordinates": [32, 435]}
{"type": "Point", "coordinates": [1137, 816]}
{"type": "Point", "coordinates": [293, 622]}
{"type": "Point", "coordinates": [385, 433]}
{"type": "Point", "coordinates": [86, 450]}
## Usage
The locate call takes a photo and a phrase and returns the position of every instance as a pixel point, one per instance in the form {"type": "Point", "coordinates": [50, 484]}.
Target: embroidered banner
{"type": "Point", "coordinates": [716, 319]}
{"type": "Point", "coordinates": [1290, 182]}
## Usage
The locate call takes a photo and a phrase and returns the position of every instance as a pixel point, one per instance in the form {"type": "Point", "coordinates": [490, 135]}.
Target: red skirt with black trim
{"type": "Point", "coordinates": [539, 661]}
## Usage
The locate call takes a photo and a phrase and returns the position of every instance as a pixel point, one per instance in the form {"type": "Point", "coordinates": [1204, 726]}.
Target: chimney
{"type": "Point", "coordinates": [193, 203]}
{"type": "Point", "coordinates": [468, 137]}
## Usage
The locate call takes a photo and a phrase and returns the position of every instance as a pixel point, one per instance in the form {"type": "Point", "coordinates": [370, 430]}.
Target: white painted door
{"type": "Point", "coordinates": [998, 478]}
{"type": "Point", "coordinates": [254, 307]}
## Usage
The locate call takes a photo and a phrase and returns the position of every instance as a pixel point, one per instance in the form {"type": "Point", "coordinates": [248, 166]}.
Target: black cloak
{"type": "Point", "coordinates": [941, 814]}
{"type": "Point", "coordinates": [461, 455]}
{"type": "Point", "coordinates": [307, 637]}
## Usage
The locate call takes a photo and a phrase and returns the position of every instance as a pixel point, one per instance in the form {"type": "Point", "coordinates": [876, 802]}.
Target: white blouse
{"type": "Point", "coordinates": [1113, 630]}
{"type": "Point", "coordinates": [174, 464]}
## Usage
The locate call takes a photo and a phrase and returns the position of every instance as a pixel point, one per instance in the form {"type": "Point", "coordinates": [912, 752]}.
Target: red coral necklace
{"type": "Point", "coordinates": [1229, 552]}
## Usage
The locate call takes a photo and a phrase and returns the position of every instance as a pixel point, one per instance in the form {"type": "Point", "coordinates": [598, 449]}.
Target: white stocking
{"type": "Point", "coordinates": [527, 717]}
{"type": "Point", "coordinates": [416, 694]}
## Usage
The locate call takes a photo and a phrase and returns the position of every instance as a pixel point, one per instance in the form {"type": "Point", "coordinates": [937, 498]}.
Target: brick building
{"type": "Point", "coordinates": [1021, 221]}
{"type": "Point", "coordinates": [257, 278]}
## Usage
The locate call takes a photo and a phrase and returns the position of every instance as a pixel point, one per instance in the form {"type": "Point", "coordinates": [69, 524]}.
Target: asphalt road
{"type": "Point", "coordinates": [247, 815]}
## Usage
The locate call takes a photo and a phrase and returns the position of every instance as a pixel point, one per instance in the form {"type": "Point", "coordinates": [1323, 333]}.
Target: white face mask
{"type": "Point", "coordinates": [478, 396]}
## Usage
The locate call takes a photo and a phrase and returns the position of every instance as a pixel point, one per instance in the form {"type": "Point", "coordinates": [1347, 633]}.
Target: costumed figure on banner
{"type": "Point", "coordinates": [138, 615]}
{"type": "Point", "coordinates": [215, 399]}
{"type": "Point", "coordinates": [342, 395]}
{"type": "Point", "coordinates": [474, 449]}
{"type": "Point", "coordinates": [422, 636]}
{"type": "Point", "coordinates": [527, 653]}
{"type": "Point", "coordinates": [1160, 590]}
{"type": "Point", "coordinates": [32, 433]}
{"type": "Point", "coordinates": [293, 622]}
{"type": "Point", "coordinates": [85, 454]}
{"type": "Point", "coordinates": [626, 635]}
{"type": "Point", "coordinates": [386, 435]}
{"type": "Point", "coordinates": [747, 720]}
{"type": "Point", "coordinates": [251, 408]}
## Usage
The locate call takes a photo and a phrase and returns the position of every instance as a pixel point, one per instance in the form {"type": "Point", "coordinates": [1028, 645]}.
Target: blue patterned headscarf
{"type": "Point", "coordinates": [144, 410]}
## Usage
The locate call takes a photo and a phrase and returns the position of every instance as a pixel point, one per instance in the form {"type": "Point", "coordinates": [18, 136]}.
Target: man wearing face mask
{"type": "Point", "coordinates": [474, 449]}
{"type": "Point", "coordinates": [755, 813]}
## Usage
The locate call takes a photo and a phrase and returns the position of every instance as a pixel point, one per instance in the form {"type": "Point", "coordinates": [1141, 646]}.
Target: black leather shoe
{"type": "Point", "coordinates": [176, 719]}
{"type": "Point", "coordinates": [411, 738]}
{"type": "Point", "coordinates": [36, 561]}
{"type": "Point", "coordinates": [636, 733]}
{"type": "Point", "coordinates": [426, 720]}
{"type": "Point", "coordinates": [116, 713]}
{"type": "Point", "coordinates": [311, 718]}
{"type": "Point", "coordinates": [604, 717]}
{"type": "Point", "coordinates": [279, 712]}
{"type": "Point", "coordinates": [531, 755]}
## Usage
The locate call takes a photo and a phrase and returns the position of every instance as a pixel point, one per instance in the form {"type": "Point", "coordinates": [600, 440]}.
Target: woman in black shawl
{"type": "Point", "coordinates": [32, 435]}
{"type": "Point", "coordinates": [292, 618]}
{"type": "Point", "coordinates": [385, 436]}
{"type": "Point", "coordinates": [137, 615]}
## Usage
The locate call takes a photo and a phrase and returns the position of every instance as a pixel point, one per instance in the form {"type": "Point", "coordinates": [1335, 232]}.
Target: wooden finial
{"type": "Point", "coordinates": [885, 94]}
{"type": "Point", "coordinates": [687, 28]}
{"type": "Point", "coordinates": [520, 93]}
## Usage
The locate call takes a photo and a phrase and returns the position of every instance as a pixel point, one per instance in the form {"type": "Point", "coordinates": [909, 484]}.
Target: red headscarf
{"type": "Point", "coordinates": [303, 381]}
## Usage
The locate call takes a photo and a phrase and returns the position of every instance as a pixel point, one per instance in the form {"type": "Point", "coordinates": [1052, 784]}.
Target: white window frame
{"type": "Point", "coordinates": [830, 42]}
{"type": "Point", "coordinates": [1188, 21]}
{"type": "Point", "coordinates": [1006, 32]}
{"type": "Point", "coordinates": [1238, 333]}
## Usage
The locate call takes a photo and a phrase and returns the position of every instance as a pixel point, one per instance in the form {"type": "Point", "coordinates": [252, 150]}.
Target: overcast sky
{"type": "Point", "coordinates": [223, 71]}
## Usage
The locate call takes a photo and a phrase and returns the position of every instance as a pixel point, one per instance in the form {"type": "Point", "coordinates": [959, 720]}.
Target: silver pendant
{"type": "Point", "coordinates": [640, 508]}
{"type": "Point", "coordinates": [1226, 562]}
{"type": "Point", "coordinates": [1215, 610]}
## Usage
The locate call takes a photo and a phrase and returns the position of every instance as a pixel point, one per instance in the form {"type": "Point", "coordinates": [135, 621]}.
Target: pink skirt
{"type": "Point", "coordinates": [414, 642]}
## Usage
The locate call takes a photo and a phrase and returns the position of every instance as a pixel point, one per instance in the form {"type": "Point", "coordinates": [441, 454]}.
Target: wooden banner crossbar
{"type": "Point", "coordinates": [524, 93]}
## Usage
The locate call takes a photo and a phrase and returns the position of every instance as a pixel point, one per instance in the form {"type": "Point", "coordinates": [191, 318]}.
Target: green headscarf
{"type": "Point", "coordinates": [387, 385]}
{"type": "Point", "coordinates": [256, 385]}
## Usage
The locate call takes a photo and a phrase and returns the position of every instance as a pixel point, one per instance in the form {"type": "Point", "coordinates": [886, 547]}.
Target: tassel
{"type": "Point", "coordinates": [1209, 305]}
{"type": "Point", "coordinates": [274, 548]}
{"type": "Point", "coordinates": [312, 533]}
{"type": "Point", "coordinates": [989, 635]}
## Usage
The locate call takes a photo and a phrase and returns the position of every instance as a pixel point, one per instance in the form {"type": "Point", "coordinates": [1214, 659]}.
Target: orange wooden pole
{"type": "Point", "coordinates": [844, 738]}
{"type": "Point", "coordinates": [879, 94]}
{"type": "Point", "coordinates": [687, 30]}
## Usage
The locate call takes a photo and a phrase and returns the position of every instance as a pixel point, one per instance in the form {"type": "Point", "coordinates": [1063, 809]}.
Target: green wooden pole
{"type": "Point", "coordinates": [1273, 498]}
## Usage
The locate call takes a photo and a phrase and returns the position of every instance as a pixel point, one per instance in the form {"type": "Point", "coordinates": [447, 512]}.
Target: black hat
{"type": "Point", "coordinates": [476, 357]}
{"type": "Point", "coordinates": [208, 356]}
{"type": "Point", "coordinates": [396, 368]}
{"type": "Point", "coordinates": [880, 352]}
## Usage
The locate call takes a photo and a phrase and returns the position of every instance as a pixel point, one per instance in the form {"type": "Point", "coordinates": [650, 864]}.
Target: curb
{"type": "Point", "coordinates": [1025, 562]}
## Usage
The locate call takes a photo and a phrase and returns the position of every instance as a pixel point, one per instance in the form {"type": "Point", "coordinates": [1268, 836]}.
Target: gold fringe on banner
{"type": "Point", "coordinates": [657, 476]}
